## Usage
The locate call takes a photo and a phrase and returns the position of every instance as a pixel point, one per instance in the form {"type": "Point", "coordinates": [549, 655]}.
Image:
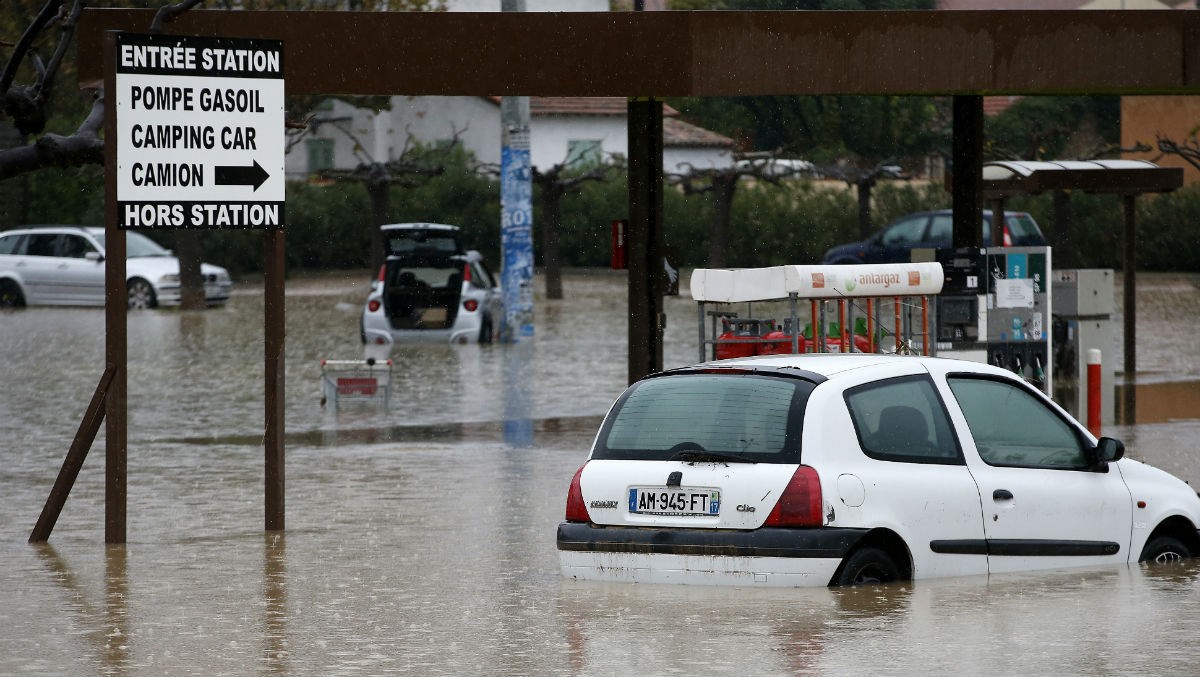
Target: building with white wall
{"type": "Point", "coordinates": [562, 130]}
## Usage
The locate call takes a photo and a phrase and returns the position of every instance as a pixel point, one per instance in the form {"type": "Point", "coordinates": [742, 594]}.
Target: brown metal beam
{"type": "Point", "coordinates": [76, 455]}
{"type": "Point", "coordinates": [704, 53]}
{"type": "Point", "coordinates": [967, 152]}
{"type": "Point", "coordinates": [116, 310]}
{"type": "Point", "coordinates": [646, 274]}
{"type": "Point", "coordinates": [273, 354]}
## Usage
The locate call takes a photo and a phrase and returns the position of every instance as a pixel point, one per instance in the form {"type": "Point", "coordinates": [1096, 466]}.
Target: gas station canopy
{"type": "Point", "coordinates": [1127, 177]}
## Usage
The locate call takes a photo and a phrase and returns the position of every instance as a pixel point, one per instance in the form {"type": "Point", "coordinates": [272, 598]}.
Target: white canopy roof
{"type": "Point", "coordinates": [816, 282]}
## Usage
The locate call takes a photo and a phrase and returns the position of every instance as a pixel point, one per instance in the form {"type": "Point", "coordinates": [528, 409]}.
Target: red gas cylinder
{"type": "Point", "coordinates": [741, 338]}
{"type": "Point", "coordinates": [779, 342]}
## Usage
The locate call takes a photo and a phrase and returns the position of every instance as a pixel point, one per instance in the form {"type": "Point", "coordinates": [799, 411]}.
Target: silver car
{"type": "Point", "coordinates": [64, 266]}
{"type": "Point", "coordinates": [431, 290]}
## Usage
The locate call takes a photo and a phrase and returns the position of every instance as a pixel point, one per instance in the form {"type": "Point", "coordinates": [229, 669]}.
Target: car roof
{"type": "Point", "coordinates": [419, 226]}
{"type": "Point", "coordinates": [46, 226]}
{"type": "Point", "coordinates": [931, 212]}
{"type": "Point", "coordinates": [830, 365]}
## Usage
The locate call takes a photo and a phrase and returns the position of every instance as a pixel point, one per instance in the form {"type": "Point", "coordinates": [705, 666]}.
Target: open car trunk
{"type": "Point", "coordinates": [422, 293]}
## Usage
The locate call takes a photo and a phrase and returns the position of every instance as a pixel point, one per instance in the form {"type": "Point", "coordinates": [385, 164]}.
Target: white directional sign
{"type": "Point", "coordinates": [200, 132]}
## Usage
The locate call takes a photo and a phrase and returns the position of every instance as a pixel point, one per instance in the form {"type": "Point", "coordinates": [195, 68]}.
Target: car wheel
{"type": "Point", "coordinates": [10, 295]}
{"type": "Point", "coordinates": [1164, 549]}
{"type": "Point", "coordinates": [485, 332]}
{"type": "Point", "coordinates": [141, 294]}
{"type": "Point", "coordinates": [867, 566]}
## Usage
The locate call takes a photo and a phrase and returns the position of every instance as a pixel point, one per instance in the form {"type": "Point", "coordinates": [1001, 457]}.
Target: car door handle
{"type": "Point", "coordinates": [1002, 495]}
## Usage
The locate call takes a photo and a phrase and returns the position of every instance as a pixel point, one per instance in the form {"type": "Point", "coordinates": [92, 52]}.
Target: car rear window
{"type": "Point", "coordinates": [753, 416]}
{"type": "Point", "coordinates": [422, 242]}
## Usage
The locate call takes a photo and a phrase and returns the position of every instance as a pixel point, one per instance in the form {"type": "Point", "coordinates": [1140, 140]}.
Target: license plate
{"type": "Point", "coordinates": [674, 501]}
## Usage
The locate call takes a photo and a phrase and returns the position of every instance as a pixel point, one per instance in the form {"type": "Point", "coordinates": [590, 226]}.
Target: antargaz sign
{"type": "Point", "coordinates": [200, 132]}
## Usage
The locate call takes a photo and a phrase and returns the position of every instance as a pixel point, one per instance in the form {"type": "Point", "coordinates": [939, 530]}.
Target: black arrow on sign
{"type": "Point", "coordinates": [235, 175]}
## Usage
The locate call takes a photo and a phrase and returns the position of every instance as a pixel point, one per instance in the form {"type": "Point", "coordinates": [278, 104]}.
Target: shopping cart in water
{"type": "Point", "coordinates": [368, 380]}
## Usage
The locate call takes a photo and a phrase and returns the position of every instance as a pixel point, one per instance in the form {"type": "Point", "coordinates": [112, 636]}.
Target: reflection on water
{"type": "Point", "coordinates": [421, 535]}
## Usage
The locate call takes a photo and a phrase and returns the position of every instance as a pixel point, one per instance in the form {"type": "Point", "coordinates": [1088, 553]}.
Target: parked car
{"type": "Point", "coordinates": [64, 266]}
{"type": "Point", "coordinates": [894, 242]}
{"type": "Point", "coordinates": [840, 469]}
{"type": "Point", "coordinates": [431, 289]}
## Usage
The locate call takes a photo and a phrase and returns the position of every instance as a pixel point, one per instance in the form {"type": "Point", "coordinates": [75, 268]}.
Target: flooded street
{"type": "Point", "coordinates": [420, 542]}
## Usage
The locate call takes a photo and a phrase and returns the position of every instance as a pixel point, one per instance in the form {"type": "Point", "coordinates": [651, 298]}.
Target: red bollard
{"type": "Point", "coordinates": [1093, 391]}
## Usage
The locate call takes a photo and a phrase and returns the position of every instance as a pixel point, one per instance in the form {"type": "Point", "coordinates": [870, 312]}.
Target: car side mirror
{"type": "Point", "coordinates": [1109, 449]}
{"type": "Point", "coordinates": [1106, 451]}
{"type": "Point", "coordinates": [94, 256]}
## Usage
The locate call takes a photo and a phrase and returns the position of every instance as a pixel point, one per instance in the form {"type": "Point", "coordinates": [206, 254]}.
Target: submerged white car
{"type": "Point", "coordinates": [841, 469]}
{"type": "Point", "coordinates": [64, 266]}
{"type": "Point", "coordinates": [431, 290]}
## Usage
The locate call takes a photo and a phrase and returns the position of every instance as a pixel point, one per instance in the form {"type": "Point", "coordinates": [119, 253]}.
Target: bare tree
{"type": "Point", "coordinates": [722, 182]}
{"type": "Point", "coordinates": [1188, 149]}
{"type": "Point", "coordinates": [863, 181]}
{"type": "Point", "coordinates": [414, 166]}
{"type": "Point", "coordinates": [555, 182]}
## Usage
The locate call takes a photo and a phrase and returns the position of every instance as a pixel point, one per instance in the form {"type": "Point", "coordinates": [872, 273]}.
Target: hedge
{"type": "Point", "coordinates": [328, 225]}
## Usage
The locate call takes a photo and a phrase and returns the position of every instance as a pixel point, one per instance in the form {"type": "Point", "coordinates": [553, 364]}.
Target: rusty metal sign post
{"type": "Point", "coordinates": [194, 131]}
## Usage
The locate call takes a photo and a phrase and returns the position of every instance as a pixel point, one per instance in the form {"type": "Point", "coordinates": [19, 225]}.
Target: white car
{"type": "Point", "coordinates": [431, 290]}
{"type": "Point", "coordinates": [64, 266]}
{"type": "Point", "coordinates": [839, 469]}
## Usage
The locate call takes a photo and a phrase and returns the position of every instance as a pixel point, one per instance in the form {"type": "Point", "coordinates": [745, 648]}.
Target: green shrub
{"type": "Point", "coordinates": [328, 226]}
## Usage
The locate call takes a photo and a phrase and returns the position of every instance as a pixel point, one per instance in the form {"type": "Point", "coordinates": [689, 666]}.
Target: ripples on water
{"type": "Point", "coordinates": [419, 543]}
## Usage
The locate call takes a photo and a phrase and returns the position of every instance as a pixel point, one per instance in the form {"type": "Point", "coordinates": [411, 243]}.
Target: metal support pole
{"type": "Point", "coordinates": [116, 308]}
{"type": "Point", "coordinates": [966, 190]}
{"type": "Point", "coordinates": [997, 233]}
{"type": "Point", "coordinates": [646, 276]}
{"type": "Point", "coordinates": [925, 325]}
{"type": "Point", "coordinates": [815, 346]}
{"type": "Point", "coordinates": [897, 330]}
{"type": "Point", "coordinates": [273, 330]}
{"type": "Point", "coordinates": [84, 436]}
{"type": "Point", "coordinates": [1129, 283]}
{"type": "Point", "coordinates": [793, 307]}
{"type": "Point", "coordinates": [871, 325]}
{"type": "Point", "coordinates": [842, 325]}
{"type": "Point", "coordinates": [1129, 289]}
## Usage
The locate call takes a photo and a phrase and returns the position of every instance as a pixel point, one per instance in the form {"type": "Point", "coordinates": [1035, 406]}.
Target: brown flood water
{"type": "Point", "coordinates": [419, 542]}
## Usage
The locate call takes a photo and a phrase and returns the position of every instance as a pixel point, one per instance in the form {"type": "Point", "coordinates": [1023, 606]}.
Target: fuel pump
{"type": "Point", "coordinates": [1018, 301]}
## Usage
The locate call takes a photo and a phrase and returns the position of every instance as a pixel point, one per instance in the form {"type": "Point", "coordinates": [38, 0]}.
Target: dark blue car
{"type": "Point", "coordinates": [933, 230]}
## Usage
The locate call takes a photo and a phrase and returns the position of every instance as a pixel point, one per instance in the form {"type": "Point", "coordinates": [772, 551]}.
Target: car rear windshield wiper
{"type": "Point", "coordinates": [693, 456]}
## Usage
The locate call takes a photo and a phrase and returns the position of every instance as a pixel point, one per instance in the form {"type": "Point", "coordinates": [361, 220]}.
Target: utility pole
{"type": "Point", "coordinates": [516, 211]}
{"type": "Point", "coordinates": [516, 240]}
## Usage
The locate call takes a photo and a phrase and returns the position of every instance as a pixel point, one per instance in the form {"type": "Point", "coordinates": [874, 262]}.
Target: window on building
{"type": "Point", "coordinates": [320, 154]}
{"type": "Point", "coordinates": [583, 152]}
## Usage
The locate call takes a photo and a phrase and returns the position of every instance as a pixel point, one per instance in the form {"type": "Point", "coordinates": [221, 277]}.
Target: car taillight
{"type": "Point", "coordinates": [1008, 241]}
{"type": "Point", "coordinates": [373, 305]}
{"type": "Point", "coordinates": [800, 504]}
{"type": "Point", "coordinates": [470, 305]}
{"type": "Point", "coordinates": [467, 273]}
{"type": "Point", "coordinates": [382, 272]}
{"type": "Point", "coordinates": [576, 508]}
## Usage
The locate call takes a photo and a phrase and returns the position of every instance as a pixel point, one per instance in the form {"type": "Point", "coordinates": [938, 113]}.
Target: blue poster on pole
{"type": "Point", "coordinates": [516, 238]}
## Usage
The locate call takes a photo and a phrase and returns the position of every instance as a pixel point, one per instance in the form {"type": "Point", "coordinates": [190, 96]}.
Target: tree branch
{"type": "Point", "coordinates": [54, 150]}
{"type": "Point", "coordinates": [48, 12]}
{"type": "Point", "coordinates": [168, 13]}
{"type": "Point", "coordinates": [1189, 150]}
